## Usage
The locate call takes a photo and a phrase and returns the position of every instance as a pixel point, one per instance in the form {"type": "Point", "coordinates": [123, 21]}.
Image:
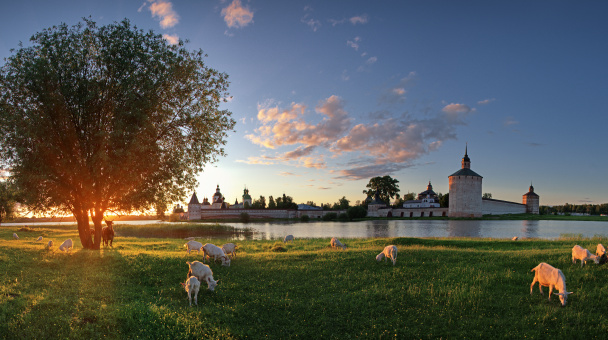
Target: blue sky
{"type": "Point", "coordinates": [328, 94]}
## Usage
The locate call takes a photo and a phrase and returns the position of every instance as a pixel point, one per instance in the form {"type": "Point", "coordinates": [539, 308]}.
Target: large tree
{"type": "Point", "coordinates": [385, 186]}
{"type": "Point", "coordinates": [8, 200]}
{"type": "Point", "coordinates": [113, 118]}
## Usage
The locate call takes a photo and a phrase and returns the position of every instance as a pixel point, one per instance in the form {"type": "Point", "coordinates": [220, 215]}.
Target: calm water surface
{"type": "Point", "coordinates": [429, 228]}
{"type": "Point", "coordinates": [407, 228]}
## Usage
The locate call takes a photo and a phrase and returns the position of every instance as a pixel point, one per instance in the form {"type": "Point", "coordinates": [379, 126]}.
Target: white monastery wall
{"type": "Point", "coordinates": [498, 207]}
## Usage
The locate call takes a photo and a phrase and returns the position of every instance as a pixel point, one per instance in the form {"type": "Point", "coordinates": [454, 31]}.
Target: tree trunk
{"type": "Point", "coordinates": [97, 217]}
{"type": "Point", "coordinates": [84, 231]}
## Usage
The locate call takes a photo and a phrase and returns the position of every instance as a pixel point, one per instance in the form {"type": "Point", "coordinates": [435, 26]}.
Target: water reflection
{"type": "Point", "coordinates": [529, 228]}
{"type": "Point", "coordinates": [403, 228]}
{"type": "Point", "coordinates": [464, 228]}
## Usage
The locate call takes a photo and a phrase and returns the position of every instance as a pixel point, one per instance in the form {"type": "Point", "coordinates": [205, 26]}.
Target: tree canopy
{"type": "Point", "coordinates": [386, 186]}
{"type": "Point", "coordinates": [111, 118]}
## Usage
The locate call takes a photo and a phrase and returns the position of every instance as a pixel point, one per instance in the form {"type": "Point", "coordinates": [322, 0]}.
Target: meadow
{"type": "Point", "coordinates": [440, 288]}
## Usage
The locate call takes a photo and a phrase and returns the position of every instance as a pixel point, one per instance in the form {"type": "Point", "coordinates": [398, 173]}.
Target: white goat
{"type": "Point", "coordinates": [335, 243]}
{"type": "Point", "coordinates": [288, 238]}
{"type": "Point", "coordinates": [203, 273]}
{"type": "Point", "coordinates": [388, 252]}
{"type": "Point", "coordinates": [15, 236]}
{"type": "Point", "coordinates": [39, 238]}
{"type": "Point", "coordinates": [67, 245]}
{"type": "Point", "coordinates": [193, 245]}
{"type": "Point", "coordinates": [580, 253]}
{"type": "Point", "coordinates": [192, 286]}
{"type": "Point", "coordinates": [229, 248]}
{"type": "Point", "coordinates": [600, 250]}
{"type": "Point", "coordinates": [49, 245]}
{"type": "Point", "coordinates": [217, 252]}
{"type": "Point", "coordinates": [551, 277]}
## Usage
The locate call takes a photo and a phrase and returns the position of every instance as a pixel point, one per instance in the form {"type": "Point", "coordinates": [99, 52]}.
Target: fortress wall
{"type": "Point", "coordinates": [413, 212]}
{"type": "Point", "coordinates": [257, 213]}
{"type": "Point", "coordinates": [497, 207]}
{"type": "Point", "coordinates": [465, 196]}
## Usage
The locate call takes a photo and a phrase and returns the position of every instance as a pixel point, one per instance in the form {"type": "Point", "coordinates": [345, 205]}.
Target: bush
{"type": "Point", "coordinates": [330, 216]}
{"type": "Point", "coordinates": [356, 212]}
{"type": "Point", "coordinates": [244, 217]}
{"type": "Point", "coordinates": [305, 218]}
{"type": "Point", "coordinates": [343, 217]}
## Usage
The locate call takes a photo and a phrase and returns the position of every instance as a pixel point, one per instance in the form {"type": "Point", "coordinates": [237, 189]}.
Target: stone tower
{"type": "Point", "coordinates": [532, 201]}
{"type": "Point", "coordinates": [194, 208]}
{"type": "Point", "coordinates": [465, 191]}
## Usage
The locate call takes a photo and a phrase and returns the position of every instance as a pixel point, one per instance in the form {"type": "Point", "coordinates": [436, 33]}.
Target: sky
{"type": "Point", "coordinates": [328, 94]}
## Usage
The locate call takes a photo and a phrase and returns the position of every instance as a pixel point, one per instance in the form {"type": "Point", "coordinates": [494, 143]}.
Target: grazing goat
{"type": "Point", "coordinates": [39, 238]}
{"type": "Point", "coordinates": [217, 252]}
{"type": "Point", "coordinates": [388, 252]}
{"type": "Point", "coordinates": [580, 253]}
{"type": "Point", "coordinates": [49, 245]}
{"type": "Point", "coordinates": [203, 273]}
{"type": "Point", "coordinates": [230, 248]}
{"type": "Point", "coordinates": [193, 245]}
{"type": "Point", "coordinates": [335, 243]}
{"type": "Point", "coordinates": [107, 233]}
{"type": "Point", "coordinates": [192, 286]}
{"type": "Point", "coordinates": [67, 245]}
{"type": "Point", "coordinates": [551, 277]}
{"type": "Point", "coordinates": [15, 236]}
{"type": "Point", "coordinates": [288, 238]}
{"type": "Point", "coordinates": [600, 250]}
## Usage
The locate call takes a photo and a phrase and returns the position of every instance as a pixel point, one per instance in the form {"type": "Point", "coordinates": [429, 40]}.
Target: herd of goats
{"type": "Point", "coordinates": [545, 274]}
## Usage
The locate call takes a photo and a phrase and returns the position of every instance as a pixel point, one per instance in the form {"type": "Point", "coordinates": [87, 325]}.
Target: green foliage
{"type": "Point", "coordinates": [285, 202]}
{"type": "Point", "coordinates": [108, 118]}
{"type": "Point", "coordinates": [244, 217]}
{"type": "Point", "coordinates": [343, 217]}
{"type": "Point", "coordinates": [8, 199]}
{"type": "Point", "coordinates": [271, 203]}
{"type": "Point", "coordinates": [259, 203]}
{"type": "Point", "coordinates": [304, 218]}
{"type": "Point", "coordinates": [385, 186]}
{"type": "Point", "coordinates": [329, 216]}
{"type": "Point", "coordinates": [356, 212]}
{"type": "Point", "coordinates": [342, 204]}
{"type": "Point", "coordinates": [440, 288]}
{"type": "Point", "coordinates": [444, 200]}
{"type": "Point", "coordinates": [486, 195]}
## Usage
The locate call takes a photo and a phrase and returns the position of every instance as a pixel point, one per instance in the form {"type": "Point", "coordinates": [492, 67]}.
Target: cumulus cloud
{"type": "Point", "coordinates": [172, 39]}
{"type": "Point", "coordinates": [396, 93]}
{"type": "Point", "coordinates": [385, 146]}
{"type": "Point", "coordinates": [354, 43]}
{"type": "Point", "coordinates": [362, 19]}
{"type": "Point", "coordinates": [312, 23]}
{"type": "Point", "coordinates": [237, 16]}
{"type": "Point", "coordinates": [485, 101]}
{"type": "Point", "coordinates": [510, 121]}
{"type": "Point", "coordinates": [288, 127]}
{"type": "Point", "coordinates": [163, 10]}
{"type": "Point", "coordinates": [456, 108]}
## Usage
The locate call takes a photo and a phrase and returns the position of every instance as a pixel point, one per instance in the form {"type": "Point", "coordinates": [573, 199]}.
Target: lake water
{"type": "Point", "coordinates": [407, 228]}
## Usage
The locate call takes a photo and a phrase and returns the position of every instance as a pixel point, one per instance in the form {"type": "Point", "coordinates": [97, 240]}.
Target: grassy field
{"type": "Point", "coordinates": [440, 288]}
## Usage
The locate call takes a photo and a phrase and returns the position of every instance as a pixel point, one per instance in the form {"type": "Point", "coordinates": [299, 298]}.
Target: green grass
{"type": "Point", "coordinates": [440, 288]}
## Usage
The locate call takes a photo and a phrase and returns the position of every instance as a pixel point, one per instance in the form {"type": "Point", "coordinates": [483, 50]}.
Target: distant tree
{"type": "Point", "coordinates": [329, 216]}
{"type": "Point", "coordinates": [271, 203]}
{"type": "Point", "coordinates": [286, 202]}
{"type": "Point", "coordinates": [343, 203]}
{"type": "Point", "coordinates": [444, 200]}
{"type": "Point", "coordinates": [386, 187]}
{"type": "Point", "coordinates": [356, 212]}
{"type": "Point", "coordinates": [259, 203]}
{"type": "Point", "coordinates": [112, 118]}
{"type": "Point", "coordinates": [178, 209]}
{"type": "Point", "coordinates": [244, 217]}
{"type": "Point", "coordinates": [311, 203]}
{"type": "Point", "coordinates": [486, 195]}
{"type": "Point", "coordinates": [8, 200]}
{"type": "Point", "coordinates": [410, 196]}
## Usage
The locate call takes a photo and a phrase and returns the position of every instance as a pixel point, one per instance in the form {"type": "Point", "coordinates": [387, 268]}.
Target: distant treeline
{"type": "Point", "coordinates": [591, 209]}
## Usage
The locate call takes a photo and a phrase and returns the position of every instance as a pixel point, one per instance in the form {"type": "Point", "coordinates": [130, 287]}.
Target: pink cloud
{"type": "Point", "coordinates": [456, 108]}
{"type": "Point", "coordinates": [235, 15]}
{"type": "Point", "coordinates": [362, 19]}
{"type": "Point", "coordinates": [164, 11]}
